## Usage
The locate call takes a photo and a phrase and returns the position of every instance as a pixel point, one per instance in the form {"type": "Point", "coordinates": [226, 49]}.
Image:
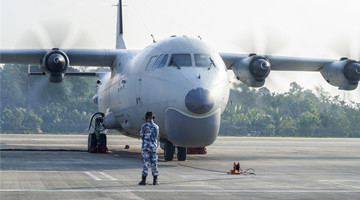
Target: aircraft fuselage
{"type": "Point", "coordinates": [186, 97]}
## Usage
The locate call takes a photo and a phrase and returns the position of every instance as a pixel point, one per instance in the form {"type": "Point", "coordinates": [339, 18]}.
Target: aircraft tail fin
{"type": "Point", "coordinates": [120, 43]}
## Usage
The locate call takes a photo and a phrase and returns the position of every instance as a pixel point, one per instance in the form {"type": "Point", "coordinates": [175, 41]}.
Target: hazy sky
{"type": "Point", "coordinates": [303, 28]}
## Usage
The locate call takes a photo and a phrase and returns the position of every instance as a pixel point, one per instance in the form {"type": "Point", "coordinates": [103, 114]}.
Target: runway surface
{"type": "Point", "coordinates": [58, 167]}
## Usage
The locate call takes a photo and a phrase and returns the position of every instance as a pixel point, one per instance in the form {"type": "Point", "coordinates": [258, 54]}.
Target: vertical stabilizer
{"type": "Point", "coordinates": [120, 44]}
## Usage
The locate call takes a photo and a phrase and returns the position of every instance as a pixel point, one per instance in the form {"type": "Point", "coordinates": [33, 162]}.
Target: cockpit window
{"type": "Point", "coordinates": [203, 60]}
{"type": "Point", "coordinates": [180, 60]}
{"type": "Point", "coordinates": [158, 60]}
{"type": "Point", "coordinates": [151, 63]}
{"type": "Point", "coordinates": [163, 61]}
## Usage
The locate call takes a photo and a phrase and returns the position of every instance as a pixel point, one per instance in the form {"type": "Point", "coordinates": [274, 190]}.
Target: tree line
{"type": "Point", "coordinates": [298, 112]}
{"type": "Point", "coordinates": [37, 106]}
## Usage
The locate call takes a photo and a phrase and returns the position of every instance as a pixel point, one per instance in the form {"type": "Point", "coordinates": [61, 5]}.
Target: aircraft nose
{"type": "Point", "coordinates": [199, 101]}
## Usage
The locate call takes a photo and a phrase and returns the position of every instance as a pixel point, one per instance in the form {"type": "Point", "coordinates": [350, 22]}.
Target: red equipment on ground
{"type": "Point", "coordinates": [236, 169]}
{"type": "Point", "coordinates": [200, 150]}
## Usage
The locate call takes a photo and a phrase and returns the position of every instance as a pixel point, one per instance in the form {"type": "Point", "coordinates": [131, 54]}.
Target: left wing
{"type": "Point", "coordinates": [253, 69]}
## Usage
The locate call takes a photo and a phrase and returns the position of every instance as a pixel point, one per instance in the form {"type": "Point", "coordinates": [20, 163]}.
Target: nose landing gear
{"type": "Point", "coordinates": [181, 154]}
{"type": "Point", "coordinates": [169, 150]}
{"type": "Point", "coordinates": [97, 136]}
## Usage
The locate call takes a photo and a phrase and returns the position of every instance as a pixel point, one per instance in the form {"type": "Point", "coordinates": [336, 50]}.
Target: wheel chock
{"type": "Point", "coordinates": [236, 169]}
{"type": "Point", "coordinates": [102, 149]}
{"type": "Point", "coordinates": [93, 149]}
{"type": "Point", "coordinates": [200, 150]}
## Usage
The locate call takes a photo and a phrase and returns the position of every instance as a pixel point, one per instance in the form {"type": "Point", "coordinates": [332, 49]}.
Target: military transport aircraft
{"type": "Point", "coordinates": [181, 79]}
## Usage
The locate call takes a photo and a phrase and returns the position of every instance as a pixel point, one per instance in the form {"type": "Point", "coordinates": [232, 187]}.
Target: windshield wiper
{"type": "Point", "coordinates": [211, 63]}
{"type": "Point", "coordinates": [173, 63]}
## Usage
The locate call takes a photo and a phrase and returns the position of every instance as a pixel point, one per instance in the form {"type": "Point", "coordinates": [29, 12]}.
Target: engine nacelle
{"type": "Point", "coordinates": [55, 64]}
{"type": "Point", "coordinates": [344, 74]}
{"type": "Point", "coordinates": [252, 70]}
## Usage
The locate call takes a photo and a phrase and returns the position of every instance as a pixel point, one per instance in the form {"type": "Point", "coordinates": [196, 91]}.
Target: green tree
{"type": "Point", "coordinates": [307, 123]}
{"type": "Point", "coordinates": [50, 107]}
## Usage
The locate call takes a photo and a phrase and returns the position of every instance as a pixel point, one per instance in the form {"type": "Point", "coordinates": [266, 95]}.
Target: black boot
{"type": "Point", "coordinates": [155, 182]}
{"type": "Point", "coordinates": [143, 180]}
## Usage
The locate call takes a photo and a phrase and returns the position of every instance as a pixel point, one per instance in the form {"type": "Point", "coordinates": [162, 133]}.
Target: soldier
{"type": "Point", "coordinates": [149, 134]}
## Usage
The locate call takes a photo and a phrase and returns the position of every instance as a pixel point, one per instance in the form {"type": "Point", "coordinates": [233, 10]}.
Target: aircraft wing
{"type": "Point", "coordinates": [55, 62]}
{"type": "Point", "coordinates": [76, 57]}
{"type": "Point", "coordinates": [253, 69]}
{"type": "Point", "coordinates": [281, 63]}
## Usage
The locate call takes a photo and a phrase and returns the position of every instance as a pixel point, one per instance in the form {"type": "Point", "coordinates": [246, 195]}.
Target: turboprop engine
{"type": "Point", "coordinates": [252, 70]}
{"type": "Point", "coordinates": [55, 64]}
{"type": "Point", "coordinates": [344, 73]}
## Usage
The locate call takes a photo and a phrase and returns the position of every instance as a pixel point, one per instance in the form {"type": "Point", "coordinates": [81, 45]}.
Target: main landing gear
{"type": "Point", "coordinates": [169, 150]}
{"type": "Point", "coordinates": [97, 137]}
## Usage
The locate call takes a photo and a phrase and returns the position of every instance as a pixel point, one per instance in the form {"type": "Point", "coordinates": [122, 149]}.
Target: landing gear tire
{"type": "Point", "coordinates": [169, 150]}
{"type": "Point", "coordinates": [102, 144]}
{"type": "Point", "coordinates": [181, 155]}
{"type": "Point", "coordinates": [97, 137]}
{"type": "Point", "coordinates": [92, 143]}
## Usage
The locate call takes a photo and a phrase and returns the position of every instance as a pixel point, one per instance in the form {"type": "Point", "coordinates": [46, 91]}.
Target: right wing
{"type": "Point", "coordinates": [253, 69]}
{"type": "Point", "coordinates": [78, 57]}
{"type": "Point", "coordinates": [54, 62]}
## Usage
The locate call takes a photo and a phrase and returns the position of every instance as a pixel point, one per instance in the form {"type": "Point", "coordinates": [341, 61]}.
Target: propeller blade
{"type": "Point", "coordinates": [262, 41]}
{"type": "Point", "coordinates": [52, 33]}
{"type": "Point", "coordinates": [57, 32]}
{"type": "Point", "coordinates": [30, 40]}
{"type": "Point", "coordinates": [346, 45]}
{"type": "Point", "coordinates": [36, 89]}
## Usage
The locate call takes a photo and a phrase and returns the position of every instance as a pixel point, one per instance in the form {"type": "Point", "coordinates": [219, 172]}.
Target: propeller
{"type": "Point", "coordinates": [346, 45]}
{"type": "Point", "coordinates": [35, 91]}
{"type": "Point", "coordinates": [263, 41]}
{"type": "Point", "coordinates": [49, 34]}
{"type": "Point", "coordinates": [42, 92]}
{"type": "Point", "coordinates": [55, 33]}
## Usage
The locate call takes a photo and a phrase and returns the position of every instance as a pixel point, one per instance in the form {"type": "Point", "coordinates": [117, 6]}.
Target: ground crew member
{"type": "Point", "coordinates": [149, 134]}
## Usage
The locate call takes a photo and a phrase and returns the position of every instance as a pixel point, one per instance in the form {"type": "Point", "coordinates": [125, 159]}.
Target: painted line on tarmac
{"type": "Point", "coordinates": [342, 184]}
{"type": "Point", "coordinates": [96, 178]}
{"type": "Point", "coordinates": [188, 191]}
{"type": "Point", "coordinates": [189, 185]}
{"type": "Point", "coordinates": [108, 176]}
{"type": "Point", "coordinates": [340, 180]}
{"type": "Point", "coordinates": [93, 176]}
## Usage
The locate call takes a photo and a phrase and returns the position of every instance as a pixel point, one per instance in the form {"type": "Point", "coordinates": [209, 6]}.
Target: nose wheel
{"type": "Point", "coordinates": [181, 154]}
{"type": "Point", "coordinates": [169, 150]}
{"type": "Point", "coordinates": [97, 136]}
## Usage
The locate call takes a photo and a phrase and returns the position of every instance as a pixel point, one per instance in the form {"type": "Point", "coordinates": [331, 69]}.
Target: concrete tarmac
{"type": "Point", "coordinates": [58, 167]}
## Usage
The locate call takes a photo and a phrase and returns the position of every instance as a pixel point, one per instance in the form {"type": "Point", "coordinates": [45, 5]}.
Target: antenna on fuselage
{"type": "Point", "coordinates": [154, 41]}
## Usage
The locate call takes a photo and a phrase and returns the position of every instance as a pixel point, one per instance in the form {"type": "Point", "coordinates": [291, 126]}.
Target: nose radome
{"type": "Point", "coordinates": [199, 101]}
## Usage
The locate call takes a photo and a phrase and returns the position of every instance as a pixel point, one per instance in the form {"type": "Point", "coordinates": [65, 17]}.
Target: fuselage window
{"type": "Point", "coordinates": [180, 60]}
{"type": "Point", "coordinates": [151, 63]}
{"type": "Point", "coordinates": [203, 60]}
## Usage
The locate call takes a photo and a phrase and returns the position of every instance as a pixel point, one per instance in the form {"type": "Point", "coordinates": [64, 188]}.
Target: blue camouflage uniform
{"type": "Point", "coordinates": [149, 134]}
